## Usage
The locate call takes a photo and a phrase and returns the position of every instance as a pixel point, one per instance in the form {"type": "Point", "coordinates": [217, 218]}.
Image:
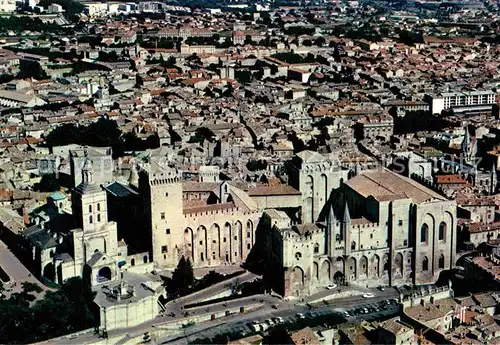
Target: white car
{"type": "Point", "coordinates": [279, 319]}
{"type": "Point", "coordinates": [368, 295]}
{"type": "Point", "coordinates": [255, 328]}
{"type": "Point", "coordinates": [300, 316]}
{"type": "Point", "coordinates": [331, 287]}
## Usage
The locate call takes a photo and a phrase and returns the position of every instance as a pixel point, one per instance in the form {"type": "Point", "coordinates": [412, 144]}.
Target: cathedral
{"type": "Point", "coordinates": [379, 228]}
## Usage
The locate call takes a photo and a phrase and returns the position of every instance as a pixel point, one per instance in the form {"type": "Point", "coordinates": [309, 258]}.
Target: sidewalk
{"type": "Point", "coordinates": [17, 272]}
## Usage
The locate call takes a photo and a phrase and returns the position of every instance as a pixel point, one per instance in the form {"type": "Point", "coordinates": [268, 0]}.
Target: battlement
{"type": "Point", "coordinates": [299, 235]}
{"type": "Point", "coordinates": [222, 209]}
{"type": "Point", "coordinates": [363, 224]}
{"type": "Point", "coordinates": [158, 181]}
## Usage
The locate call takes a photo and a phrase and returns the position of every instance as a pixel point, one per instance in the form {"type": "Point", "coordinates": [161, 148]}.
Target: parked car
{"type": "Point", "coordinates": [300, 316]}
{"type": "Point", "coordinates": [255, 327]}
{"type": "Point", "coordinates": [331, 286]}
{"type": "Point", "coordinates": [368, 295]}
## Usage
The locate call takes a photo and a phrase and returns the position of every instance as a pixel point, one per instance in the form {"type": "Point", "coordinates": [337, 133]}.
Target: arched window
{"type": "Point", "coordinates": [353, 245]}
{"type": "Point", "coordinates": [441, 262]}
{"type": "Point", "coordinates": [316, 248]}
{"type": "Point", "coordinates": [98, 217]}
{"type": "Point", "coordinates": [425, 264]}
{"type": "Point", "coordinates": [145, 259]}
{"type": "Point", "coordinates": [442, 231]}
{"type": "Point", "coordinates": [90, 219]}
{"type": "Point", "coordinates": [132, 262]}
{"type": "Point", "coordinates": [90, 208]}
{"type": "Point", "coordinates": [98, 206]}
{"type": "Point", "coordinates": [424, 232]}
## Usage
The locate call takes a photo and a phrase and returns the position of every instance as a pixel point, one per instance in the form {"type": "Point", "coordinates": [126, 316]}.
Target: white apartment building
{"type": "Point", "coordinates": [461, 101]}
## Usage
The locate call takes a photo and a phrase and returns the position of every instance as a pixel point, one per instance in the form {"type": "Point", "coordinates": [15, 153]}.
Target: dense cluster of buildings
{"type": "Point", "coordinates": [361, 156]}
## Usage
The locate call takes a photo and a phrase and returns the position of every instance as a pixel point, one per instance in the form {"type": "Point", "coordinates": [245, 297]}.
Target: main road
{"type": "Point", "coordinates": [238, 322]}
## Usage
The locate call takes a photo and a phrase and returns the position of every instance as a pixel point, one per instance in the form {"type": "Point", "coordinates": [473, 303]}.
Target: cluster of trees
{"type": "Point", "coordinates": [71, 8]}
{"type": "Point", "coordinates": [415, 121]}
{"type": "Point", "coordinates": [300, 30]}
{"type": "Point", "coordinates": [67, 310]}
{"type": "Point", "coordinates": [201, 134]}
{"type": "Point", "coordinates": [48, 183]}
{"type": "Point", "coordinates": [104, 132]}
{"type": "Point", "coordinates": [26, 23]}
{"type": "Point", "coordinates": [183, 282]}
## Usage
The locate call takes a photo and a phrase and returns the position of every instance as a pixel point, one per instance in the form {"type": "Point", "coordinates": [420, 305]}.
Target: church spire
{"type": "Point", "coordinates": [347, 215]}
{"type": "Point", "coordinates": [493, 179]}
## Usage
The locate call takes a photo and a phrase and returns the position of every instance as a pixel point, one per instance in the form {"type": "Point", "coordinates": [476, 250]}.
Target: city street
{"type": "Point", "coordinates": [288, 311]}
{"type": "Point", "coordinates": [17, 272]}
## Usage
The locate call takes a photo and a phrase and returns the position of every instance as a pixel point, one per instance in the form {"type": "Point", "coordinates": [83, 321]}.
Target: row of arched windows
{"type": "Point", "coordinates": [424, 232]}
{"type": "Point", "coordinates": [91, 219]}
{"type": "Point", "coordinates": [425, 263]}
{"type": "Point", "coordinates": [98, 207]}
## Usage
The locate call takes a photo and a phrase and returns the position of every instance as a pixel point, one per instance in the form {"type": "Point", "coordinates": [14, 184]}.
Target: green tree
{"type": "Point", "coordinates": [277, 335]}
{"type": "Point", "coordinates": [60, 312]}
{"type": "Point", "coordinates": [48, 183]}
{"type": "Point", "coordinates": [29, 287]}
{"type": "Point", "coordinates": [182, 278]}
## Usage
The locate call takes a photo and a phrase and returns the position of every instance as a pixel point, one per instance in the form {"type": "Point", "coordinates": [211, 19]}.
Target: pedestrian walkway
{"type": "Point", "coordinates": [17, 272]}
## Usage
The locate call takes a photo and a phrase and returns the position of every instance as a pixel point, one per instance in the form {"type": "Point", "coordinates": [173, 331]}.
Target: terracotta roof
{"type": "Point", "coordinates": [267, 190]}
{"type": "Point", "coordinates": [450, 179]}
{"type": "Point", "coordinates": [305, 336]}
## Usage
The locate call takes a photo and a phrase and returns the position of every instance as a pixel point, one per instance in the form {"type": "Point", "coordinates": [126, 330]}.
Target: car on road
{"type": "Point", "coordinates": [263, 327]}
{"type": "Point", "coordinates": [365, 311]}
{"type": "Point", "coordinates": [255, 328]}
{"type": "Point", "coordinates": [274, 306]}
{"type": "Point", "coordinates": [300, 316]}
{"type": "Point", "coordinates": [270, 322]}
{"type": "Point", "coordinates": [381, 288]}
{"type": "Point", "coordinates": [278, 320]}
{"type": "Point", "coordinates": [331, 286]}
{"type": "Point", "coordinates": [368, 295]}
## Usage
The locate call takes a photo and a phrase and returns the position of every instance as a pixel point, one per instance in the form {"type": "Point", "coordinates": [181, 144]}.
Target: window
{"type": "Point", "coordinates": [224, 240]}
{"type": "Point", "coordinates": [98, 206]}
{"type": "Point", "coordinates": [201, 243]}
{"type": "Point", "coordinates": [248, 245]}
{"type": "Point", "coordinates": [316, 248]}
{"type": "Point", "coordinates": [248, 234]}
{"type": "Point", "coordinates": [361, 246]}
{"type": "Point", "coordinates": [371, 235]}
{"type": "Point", "coordinates": [214, 241]}
{"type": "Point", "coordinates": [167, 231]}
{"type": "Point", "coordinates": [400, 222]}
{"type": "Point", "coordinates": [425, 264]}
{"type": "Point", "coordinates": [235, 254]}
{"type": "Point", "coordinates": [166, 195]}
{"type": "Point", "coordinates": [90, 208]}
{"type": "Point", "coordinates": [442, 231]}
{"type": "Point", "coordinates": [98, 217]}
{"type": "Point", "coordinates": [235, 238]}
{"type": "Point", "coordinates": [405, 243]}
{"type": "Point", "coordinates": [353, 245]}
{"type": "Point", "coordinates": [424, 230]}
{"type": "Point", "coordinates": [90, 219]}
{"type": "Point", "coordinates": [164, 249]}
{"type": "Point", "coordinates": [441, 262]}
{"type": "Point", "coordinates": [162, 215]}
